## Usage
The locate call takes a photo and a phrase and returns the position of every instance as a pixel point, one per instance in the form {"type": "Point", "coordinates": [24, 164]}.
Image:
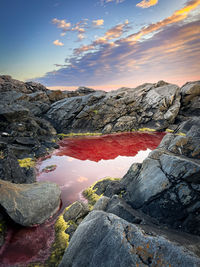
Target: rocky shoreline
{"type": "Point", "coordinates": [148, 218]}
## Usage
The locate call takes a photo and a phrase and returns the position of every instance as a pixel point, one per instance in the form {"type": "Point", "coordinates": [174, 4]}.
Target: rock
{"type": "Point", "coordinates": [150, 105]}
{"type": "Point", "coordinates": [163, 186]}
{"type": "Point", "coordinates": [30, 204]}
{"type": "Point", "coordinates": [11, 113]}
{"type": "Point", "coordinates": [108, 187]}
{"type": "Point", "coordinates": [190, 98]}
{"type": "Point", "coordinates": [76, 211]}
{"type": "Point", "coordinates": [102, 203]}
{"type": "Point", "coordinates": [111, 241]}
{"type": "Point", "coordinates": [11, 171]}
{"type": "Point", "coordinates": [56, 95]}
{"type": "Point", "coordinates": [38, 96]}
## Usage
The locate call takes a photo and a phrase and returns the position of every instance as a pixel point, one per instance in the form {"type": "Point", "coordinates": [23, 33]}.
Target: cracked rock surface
{"type": "Point", "coordinates": [115, 242]}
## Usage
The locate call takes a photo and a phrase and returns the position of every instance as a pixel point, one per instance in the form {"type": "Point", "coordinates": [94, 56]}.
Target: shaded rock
{"type": "Point", "coordinates": [119, 207]}
{"type": "Point", "coordinates": [102, 203]}
{"type": "Point", "coordinates": [76, 211]}
{"type": "Point", "coordinates": [29, 204]}
{"type": "Point", "coordinates": [12, 172]}
{"type": "Point", "coordinates": [11, 113]}
{"type": "Point", "coordinates": [108, 187]}
{"type": "Point", "coordinates": [146, 184]}
{"type": "Point", "coordinates": [190, 98]}
{"type": "Point", "coordinates": [111, 241]}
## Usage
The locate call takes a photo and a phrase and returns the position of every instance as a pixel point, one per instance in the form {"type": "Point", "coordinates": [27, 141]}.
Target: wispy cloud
{"type": "Point", "coordinates": [58, 43]}
{"type": "Point", "coordinates": [169, 52]}
{"type": "Point", "coordinates": [108, 1]}
{"type": "Point", "coordinates": [98, 22]}
{"type": "Point", "coordinates": [113, 33]}
{"type": "Point", "coordinates": [147, 3]}
{"type": "Point", "coordinates": [177, 16]}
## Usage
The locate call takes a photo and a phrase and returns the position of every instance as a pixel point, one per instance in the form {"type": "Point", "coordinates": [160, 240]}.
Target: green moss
{"type": "Point", "coordinates": [95, 111]}
{"type": "Point", "coordinates": [26, 162]}
{"type": "Point", "coordinates": [60, 244]}
{"type": "Point", "coordinates": [91, 196]}
{"type": "Point", "coordinates": [90, 193]}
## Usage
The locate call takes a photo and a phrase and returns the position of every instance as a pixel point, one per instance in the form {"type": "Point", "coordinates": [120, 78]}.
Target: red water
{"type": "Point", "coordinates": [79, 162]}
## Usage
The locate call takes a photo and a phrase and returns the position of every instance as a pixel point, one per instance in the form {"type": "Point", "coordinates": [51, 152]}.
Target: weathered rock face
{"type": "Point", "coordinates": [150, 105]}
{"type": "Point", "coordinates": [103, 239]}
{"type": "Point", "coordinates": [166, 185]}
{"type": "Point", "coordinates": [29, 204]}
{"type": "Point", "coordinates": [190, 98]}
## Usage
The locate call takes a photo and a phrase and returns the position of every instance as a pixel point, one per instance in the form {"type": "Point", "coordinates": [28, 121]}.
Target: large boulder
{"type": "Point", "coordinates": [103, 239]}
{"type": "Point", "coordinates": [29, 204]}
{"type": "Point", "coordinates": [166, 185]}
{"type": "Point", "coordinates": [150, 105]}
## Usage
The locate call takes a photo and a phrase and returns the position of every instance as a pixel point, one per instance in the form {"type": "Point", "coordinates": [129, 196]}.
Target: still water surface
{"type": "Point", "coordinates": [78, 163]}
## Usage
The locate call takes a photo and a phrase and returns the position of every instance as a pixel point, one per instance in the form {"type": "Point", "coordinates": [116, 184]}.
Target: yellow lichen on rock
{"type": "Point", "coordinates": [169, 131]}
{"type": "Point", "coordinates": [26, 162]}
{"type": "Point", "coordinates": [146, 130]}
{"type": "Point", "coordinates": [79, 134]}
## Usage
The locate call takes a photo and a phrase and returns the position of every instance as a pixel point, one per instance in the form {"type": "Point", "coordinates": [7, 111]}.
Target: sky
{"type": "Point", "coordinates": [102, 44]}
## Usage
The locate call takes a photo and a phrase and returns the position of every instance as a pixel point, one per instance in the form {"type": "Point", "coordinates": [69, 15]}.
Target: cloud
{"type": "Point", "coordinates": [63, 34]}
{"type": "Point", "coordinates": [62, 24]}
{"type": "Point", "coordinates": [177, 16]}
{"type": "Point", "coordinates": [113, 33]}
{"type": "Point", "coordinates": [81, 36]}
{"type": "Point", "coordinates": [171, 52]}
{"type": "Point", "coordinates": [98, 22]}
{"type": "Point", "coordinates": [108, 1]}
{"type": "Point", "coordinates": [58, 43]}
{"type": "Point", "coordinates": [147, 3]}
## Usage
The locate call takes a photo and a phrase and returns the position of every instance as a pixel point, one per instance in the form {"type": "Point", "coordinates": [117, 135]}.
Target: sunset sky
{"type": "Point", "coordinates": [103, 44]}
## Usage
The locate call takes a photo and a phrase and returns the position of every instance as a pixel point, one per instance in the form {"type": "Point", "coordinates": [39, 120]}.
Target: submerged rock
{"type": "Point", "coordinates": [29, 204]}
{"type": "Point", "coordinates": [103, 239]}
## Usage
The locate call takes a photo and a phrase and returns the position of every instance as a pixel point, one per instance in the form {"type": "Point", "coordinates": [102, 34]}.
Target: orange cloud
{"type": "Point", "coordinates": [112, 33]}
{"type": "Point", "coordinates": [177, 16]}
{"type": "Point", "coordinates": [58, 43]}
{"type": "Point", "coordinates": [62, 24]}
{"type": "Point", "coordinates": [98, 22]}
{"type": "Point", "coordinates": [147, 3]}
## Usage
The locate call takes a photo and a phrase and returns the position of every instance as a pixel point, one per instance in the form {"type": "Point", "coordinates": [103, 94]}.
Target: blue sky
{"type": "Point", "coordinates": [100, 43]}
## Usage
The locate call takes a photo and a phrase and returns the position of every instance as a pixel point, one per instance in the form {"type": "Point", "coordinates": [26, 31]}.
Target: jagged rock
{"type": "Point", "coordinates": [103, 239]}
{"type": "Point", "coordinates": [29, 204]}
{"type": "Point", "coordinates": [149, 105]}
{"type": "Point", "coordinates": [163, 186]}
{"type": "Point", "coordinates": [190, 93]}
